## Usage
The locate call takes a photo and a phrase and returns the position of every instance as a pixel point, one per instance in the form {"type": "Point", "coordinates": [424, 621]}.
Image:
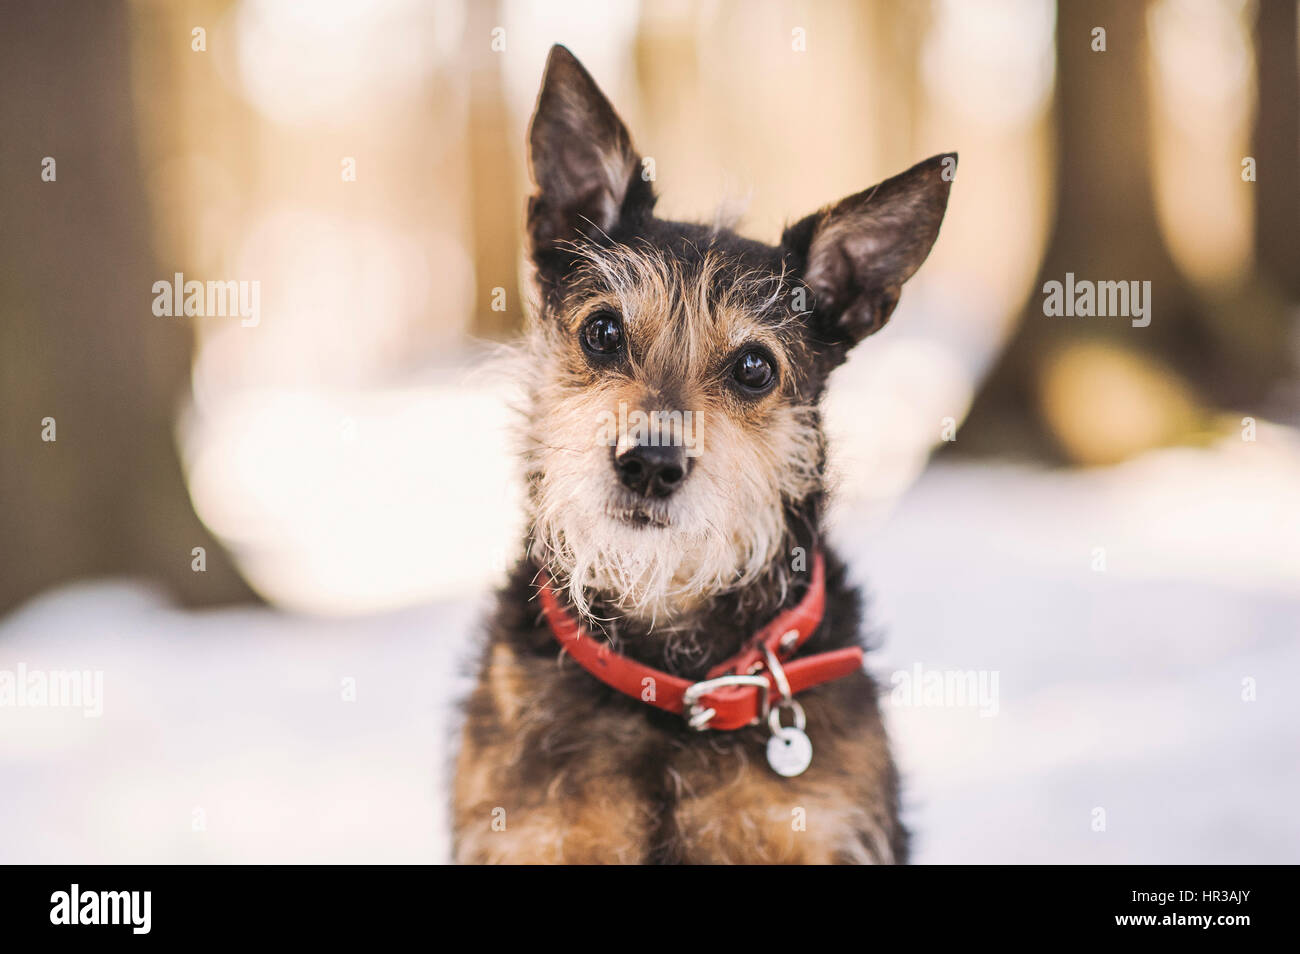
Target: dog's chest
{"type": "Point", "coordinates": [552, 771]}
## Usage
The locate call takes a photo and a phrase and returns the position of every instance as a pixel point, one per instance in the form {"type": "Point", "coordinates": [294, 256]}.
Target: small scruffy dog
{"type": "Point", "coordinates": [673, 673]}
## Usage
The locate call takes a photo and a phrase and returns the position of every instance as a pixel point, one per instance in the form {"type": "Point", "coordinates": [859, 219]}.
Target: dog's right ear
{"type": "Point", "coordinates": [582, 161]}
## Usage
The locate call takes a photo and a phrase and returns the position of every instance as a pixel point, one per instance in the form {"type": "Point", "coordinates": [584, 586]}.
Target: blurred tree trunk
{"type": "Point", "coordinates": [78, 340]}
{"type": "Point", "coordinates": [1277, 145]}
{"type": "Point", "coordinates": [497, 209]}
{"type": "Point", "coordinates": [1106, 230]}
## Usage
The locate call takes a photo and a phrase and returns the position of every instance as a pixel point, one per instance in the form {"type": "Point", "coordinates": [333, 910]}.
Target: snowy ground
{"type": "Point", "coordinates": [225, 736]}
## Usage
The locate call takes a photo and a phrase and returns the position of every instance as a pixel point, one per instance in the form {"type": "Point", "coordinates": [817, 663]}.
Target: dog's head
{"type": "Point", "coordinates": [677, 369]}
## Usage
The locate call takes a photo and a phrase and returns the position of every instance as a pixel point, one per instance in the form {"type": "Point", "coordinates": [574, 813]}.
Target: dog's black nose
{"type": "Point", "coordinates": [650, 470]}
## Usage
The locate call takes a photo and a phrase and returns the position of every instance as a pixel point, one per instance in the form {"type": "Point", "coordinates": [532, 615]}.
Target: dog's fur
{"type": "Point", "coordinates": [554, 765]}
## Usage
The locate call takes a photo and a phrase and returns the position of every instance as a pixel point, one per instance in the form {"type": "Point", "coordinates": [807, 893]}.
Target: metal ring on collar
{"type": "Point", "coordinates": [774, 717]}
{"type": "Point", "coordinates": [778, 674]}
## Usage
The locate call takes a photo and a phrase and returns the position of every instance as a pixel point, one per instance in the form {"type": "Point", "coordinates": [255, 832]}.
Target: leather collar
{"type": "Point", "coordinates": [739, 691]}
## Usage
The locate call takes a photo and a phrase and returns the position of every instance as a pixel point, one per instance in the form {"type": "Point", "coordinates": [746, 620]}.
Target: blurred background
{"type": "Point", "coordinates": [274, 537]}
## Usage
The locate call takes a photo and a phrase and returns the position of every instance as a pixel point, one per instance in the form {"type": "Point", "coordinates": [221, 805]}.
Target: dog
{"type": "Point", "coordinates": [673, 672]}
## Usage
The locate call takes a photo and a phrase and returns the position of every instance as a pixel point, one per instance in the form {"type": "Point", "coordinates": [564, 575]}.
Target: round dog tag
{"type": "Point", "coordinates": [789, 751]}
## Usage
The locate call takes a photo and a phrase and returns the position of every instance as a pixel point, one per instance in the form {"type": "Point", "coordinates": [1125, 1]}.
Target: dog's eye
{"type": "Point", "coordinates": [754, 371]}
{"type": "Point", "coordinates": [602, 334]}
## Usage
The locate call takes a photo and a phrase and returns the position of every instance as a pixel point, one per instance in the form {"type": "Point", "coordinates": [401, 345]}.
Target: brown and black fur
{"type": "Point", "coordinates": [555, 766]}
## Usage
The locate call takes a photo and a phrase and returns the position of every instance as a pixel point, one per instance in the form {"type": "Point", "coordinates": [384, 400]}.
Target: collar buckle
{"type": "Point", "coordinates": [698, 717]}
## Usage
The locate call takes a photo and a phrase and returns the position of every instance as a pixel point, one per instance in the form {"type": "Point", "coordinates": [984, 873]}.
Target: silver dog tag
{"type": "Point", "coordinates": [789, 751]}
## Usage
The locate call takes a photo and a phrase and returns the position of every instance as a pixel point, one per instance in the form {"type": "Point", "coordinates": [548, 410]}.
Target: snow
{"type": "Point", "coordinates": [226, 736]}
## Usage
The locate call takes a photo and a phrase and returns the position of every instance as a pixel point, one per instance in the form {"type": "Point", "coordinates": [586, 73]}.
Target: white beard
{"type": "Point", "coordinates": [721, 534]}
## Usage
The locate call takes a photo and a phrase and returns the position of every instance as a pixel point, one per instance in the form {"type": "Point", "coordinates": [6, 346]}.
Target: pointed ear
{"type": "Point", "coordinates": [582, 159]}
{"type": "Point", "coordinates": [856, 255]}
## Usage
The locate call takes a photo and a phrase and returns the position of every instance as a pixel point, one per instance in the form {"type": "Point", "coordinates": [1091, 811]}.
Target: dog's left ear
{"type": "Point", "coordinates": [582, 160]}
{"type": "Point", "coordinates": [856, 254]}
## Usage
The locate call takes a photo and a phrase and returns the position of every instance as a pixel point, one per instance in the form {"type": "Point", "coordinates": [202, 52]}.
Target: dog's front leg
{"type": "Point", "coordinates": [536, 784]}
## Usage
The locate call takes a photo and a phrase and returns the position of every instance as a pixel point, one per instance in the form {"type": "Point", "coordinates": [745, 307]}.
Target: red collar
{"type": "Point", "coordinates": [737, 692]}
